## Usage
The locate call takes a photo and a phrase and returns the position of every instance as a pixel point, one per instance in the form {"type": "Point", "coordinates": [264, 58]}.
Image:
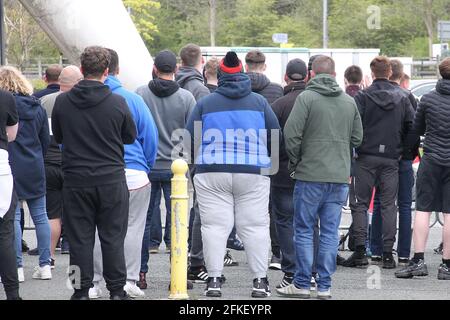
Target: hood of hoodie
{"type": "Point", "coordinates": [27, 107]}
{"type": "Point", "coordinates": [87, 94]}
{"type": "Point", "coordinates": [186, 74]}
{"type": "Point", "coordinates": [113, 83]}
{"type": "Point", "coordinates": [325, 85]}
{"type": "Point", "coordinates": [352, 90]}
{"type": "Point", "coordinates": [259, 81]}
{"type": "Point", "coordinates": [163, 88]}
{"type": "Point", "coordinates": [381, 93]}
{"type": "Point", "coordinates": [234, 86]}
{"type": "Point", "coordinates": [443, 87]}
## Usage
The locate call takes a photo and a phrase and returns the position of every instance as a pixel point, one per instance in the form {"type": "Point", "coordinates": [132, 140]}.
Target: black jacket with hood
{"type": "Point", "coordinates": [432, 120]}
{"type": "Point", "coordinates": [262, 85]}
{"type": "Point", "coordinates": [92, 124]}
{"type": "Point", "coordinates": [387, 116]}
{"type": "Point", "coordinates": [282, 109]}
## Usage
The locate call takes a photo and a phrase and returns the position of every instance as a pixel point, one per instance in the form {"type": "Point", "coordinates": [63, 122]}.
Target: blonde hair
{"type": "Point", "coordinates": [14, 81]}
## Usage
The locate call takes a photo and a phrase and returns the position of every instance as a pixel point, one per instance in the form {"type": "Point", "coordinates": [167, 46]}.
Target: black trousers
{"type": "Point", "coordinates": [370, 171]}
{"type": "Point", "coordinates": [104, 208]}
{"type": "Point", "coordinates": [8, 266]}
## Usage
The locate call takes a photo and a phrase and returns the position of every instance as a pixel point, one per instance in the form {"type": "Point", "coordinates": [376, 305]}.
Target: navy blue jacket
{"type": "Point", "coordinates": [26, 153]}
{"type": "Point", "coordinates": [236, 128]}
{"type": "Point", "coordinates": [51, 88]}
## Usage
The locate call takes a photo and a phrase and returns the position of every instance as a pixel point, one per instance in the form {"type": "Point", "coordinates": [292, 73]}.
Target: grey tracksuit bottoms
{"type": "Point", "coordinates": [139, 202]}
{"type": "Point", "coordinates": [230, 199]}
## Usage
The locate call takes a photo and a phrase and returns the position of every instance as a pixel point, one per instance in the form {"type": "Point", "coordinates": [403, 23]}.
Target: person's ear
{"type": "Point", "coordinates": [373, 76]}
{"type": "Point", "coordinates": [246, 68]}
{"type": "Point", "coordinates": [346, 82]}
{"type": "Point", "coordinates": [106, 73]}
{"type": "Point", "coordinates": [334, 74]}
{"type": "Point", "coordinates": [118, 70]}
{"type": "Point", "coordinates": [313, 74]}
{"type": "Point", "coordinates": [286, 78]}
{"type": "Point", "coordinates": [265, 67]}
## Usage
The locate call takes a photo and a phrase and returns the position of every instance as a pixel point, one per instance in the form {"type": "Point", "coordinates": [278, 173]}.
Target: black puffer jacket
{"type": "Point", "coordinates": [387, 116]}
{"type": "Point", "coordinates": [262, 85]}
{"type": "Point", "coordinates": [433, 120]}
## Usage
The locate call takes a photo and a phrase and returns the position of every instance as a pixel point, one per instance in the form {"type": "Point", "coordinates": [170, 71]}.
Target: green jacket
{"type": "Point", "coordinates": [320, 132]}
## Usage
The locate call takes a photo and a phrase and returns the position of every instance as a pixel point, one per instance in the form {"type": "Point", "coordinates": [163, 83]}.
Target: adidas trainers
{"type": "Point", "coordinates": [261, 288]}
{"type": "Point", "coordinates": [198, 274]}
{"type": "Point", "coordinates": [287, 281]}
{"type": "Point", "coordinates": [228, 260]}
{"type": "Point", "coordinates": [213, 288]}
{"type": "Point", "coordinates": [292, 291]}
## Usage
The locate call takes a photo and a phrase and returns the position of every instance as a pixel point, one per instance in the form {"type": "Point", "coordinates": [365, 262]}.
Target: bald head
{"type": "Point", "coordinates": [69, 77]}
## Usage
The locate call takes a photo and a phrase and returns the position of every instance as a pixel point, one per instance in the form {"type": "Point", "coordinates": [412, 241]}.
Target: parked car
{"type": "Point", "coordinates": [421, 87]}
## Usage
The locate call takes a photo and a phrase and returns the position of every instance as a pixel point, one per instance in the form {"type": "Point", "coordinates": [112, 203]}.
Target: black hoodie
{"type": "Point", "coordinates": [387, 116]}
{"type": "Point", "coordinates": [262, 85]}
{"type": "Point", "coordinates": [92, 124]}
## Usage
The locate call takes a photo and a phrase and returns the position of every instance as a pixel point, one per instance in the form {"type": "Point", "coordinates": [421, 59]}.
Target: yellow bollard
{"type": "Point", "coordinates": [179, 234]}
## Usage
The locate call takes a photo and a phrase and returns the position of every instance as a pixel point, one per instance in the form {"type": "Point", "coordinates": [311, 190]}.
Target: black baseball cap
{"type": "Point", "coordinates": [166, 61]}
{"type": "Point", "coordinates": [296, 70]}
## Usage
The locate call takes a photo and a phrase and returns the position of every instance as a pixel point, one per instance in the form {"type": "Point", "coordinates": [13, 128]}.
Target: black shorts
{"type": "Point", "coordinates": [54, 177]}
{"type": "Point", "coordinates": [433, 187]}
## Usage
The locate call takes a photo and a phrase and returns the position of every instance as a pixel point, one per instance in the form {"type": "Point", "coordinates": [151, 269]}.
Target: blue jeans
{"type": "Point", "coordinates": [315, 202]}
{"type": "Point", "coordinates": [404, 202]}
{"type": "Point", "coordinates": [38, 213]}
{"type": "Point", "coordinates": [161, 182]}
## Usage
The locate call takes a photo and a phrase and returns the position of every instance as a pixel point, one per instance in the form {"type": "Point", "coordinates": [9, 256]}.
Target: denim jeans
{"type": "Point", "coordinates": [161, 182]}
{"type": "Point", "coordinates": [315, 202]}
{"type": "Point", "coordinates": [283, 213]}
{"type": "Point", "coordinates": [404, 202]}
{"type": "Point", "coordinates": [38, 213]}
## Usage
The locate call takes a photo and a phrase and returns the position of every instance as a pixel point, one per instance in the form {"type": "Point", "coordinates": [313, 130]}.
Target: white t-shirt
{"type": "Point", "coordinates": [6, 183]}
{"type": "Point", "coordinates": [136, 179]}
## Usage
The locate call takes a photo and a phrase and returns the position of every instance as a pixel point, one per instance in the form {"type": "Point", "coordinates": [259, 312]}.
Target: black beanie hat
{"type": "Point", "coordinates": [231, 63]}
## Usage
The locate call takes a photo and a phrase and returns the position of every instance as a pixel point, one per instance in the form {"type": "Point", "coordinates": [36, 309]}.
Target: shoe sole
{"type": "Point", "coordinates": [213, 294]}
{"type": "Point", "coordinates": [389, 267]}
{"type": "Point", "coordinates": [234, 264]}
{"type": "Point", "coordinates": [443, 277]}
{"type": "Point", "coordinates": [275, 267]}
{"type": "Point", "coordinates": [294, 296]}
{"type": "Point", "coordinates": [361, 265]}
{"type": "Point", "coordinates": [197, 281]}
{"type": "Point", "coordinates": [258, 295]}
{"type": "Point", "coordinates": [412, 275]}
{"type": "Point", "coordinates": [324, 297]}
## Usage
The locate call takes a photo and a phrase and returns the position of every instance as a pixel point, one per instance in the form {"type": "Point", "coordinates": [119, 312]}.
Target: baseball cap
{"type": "Point", "coordinates": [296, 70]}
{"type": "Point", "coordinates": [166, 61]}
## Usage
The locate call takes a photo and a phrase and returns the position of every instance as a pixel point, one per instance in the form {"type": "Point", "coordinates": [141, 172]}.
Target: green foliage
{"type": "Point", "coordinates": [143, 15]}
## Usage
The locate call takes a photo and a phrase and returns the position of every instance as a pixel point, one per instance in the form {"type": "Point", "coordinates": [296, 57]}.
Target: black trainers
{"type": "Point", "coordinates": [444, 272]}
{"type": "Point", "coordinates": [440, 249]}
{"type": "Point", "coordinates": [235, 244]}
{"type": "Point", "coordinates": [376, 260]}
{"type": "Point", "coordinates": [414, 269]}
{"type": "Point", "coordinates": [33, 252]}
{"type": "Point", "coordinates": [275, 263]}
{"type": "Point", "coordinates": [288, 279]}
{"type": "Point", "coordinates": [228, 260]}
{"type": "Point", "coordinates": [52, 263]}
{"type": "Point", "coordinates": [25, 247]}
{"type": "Point", "coordinates": [261, 288]}
{"type": "Point", "coordinates": [198, 274]}
{"type": "Point", "coordinates": [389, 262]}
{"type": "Point", "coordinates": [120, 296]}
{"type": "Point", "coordinates": [213, 288]}
{"type": "Point", "coordinates": [356, 260]}
{"type": "Point", "coordinates": [339, 260]}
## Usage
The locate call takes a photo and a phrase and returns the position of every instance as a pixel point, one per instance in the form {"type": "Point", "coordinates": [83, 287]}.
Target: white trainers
{"type": "Point", "coordinates": [324, 295]}
{"type": "Point", "coordinates": [95, 292]}
{"type": "Point", "coordinates": [133, 291]}
{"type": "Point", "coordinates": [20, 275]}
{"type": "Point", "coordinates": [42, 273]}
{"type": "Point", "coordinates": [292, 291]}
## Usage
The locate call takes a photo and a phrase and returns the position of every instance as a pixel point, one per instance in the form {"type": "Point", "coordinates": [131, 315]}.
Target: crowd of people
{"type": "Point", "coordinates": [271, 168]}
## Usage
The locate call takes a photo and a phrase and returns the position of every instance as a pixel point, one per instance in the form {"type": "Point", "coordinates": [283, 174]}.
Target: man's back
{"type": "Point", "coordinates": [192, 80]}
{"type": "Point", "coordinates": [93, 125]}
{"type": "Point", "coordinates": [387, 117]}
{"type": "Point", "coordinates": [323, 126]}
{"type": "Point", "coordinates": [262, 85]}
{"type": "Point", "coordinates": [170, 113]}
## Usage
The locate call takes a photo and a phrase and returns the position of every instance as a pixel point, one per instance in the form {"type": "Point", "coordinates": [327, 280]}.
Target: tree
{"type": "Point", "coordinates": [24, 38]}
{"type": "Point", "coordinates": [143, 15]}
